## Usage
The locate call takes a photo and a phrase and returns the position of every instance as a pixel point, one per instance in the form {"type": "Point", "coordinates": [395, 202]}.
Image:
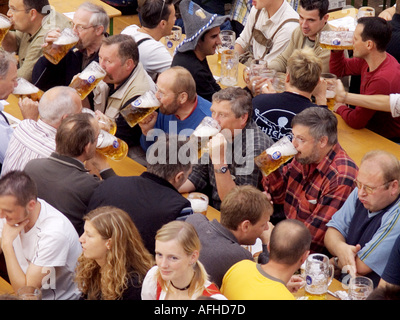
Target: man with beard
{"type": "Point", "coordinates": [90, 24]}
{"type": "Point", "coordinates": [320, 177]}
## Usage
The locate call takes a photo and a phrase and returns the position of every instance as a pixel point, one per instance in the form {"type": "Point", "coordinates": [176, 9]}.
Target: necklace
{"type": "Point", "coordinates": [181, 289]}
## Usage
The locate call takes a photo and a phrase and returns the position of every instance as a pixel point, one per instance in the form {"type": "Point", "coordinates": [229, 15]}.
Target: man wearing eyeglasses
{"type": "Point", "coordinates": [362, 233]}
{"type": "Point", "coordinates": [31, 19]}
{"type": "Point", "coordinates": [316, 183]}
{"type": "Point", "coordinates": [90, 23]}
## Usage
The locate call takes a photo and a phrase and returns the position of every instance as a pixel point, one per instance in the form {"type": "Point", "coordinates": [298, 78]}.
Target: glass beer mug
{"type": "Point", "coordinates": [26, 89]}
{"type": "Point", "coordinates": [5, 25]}
{"type": "Point", "coordinates": [141, 108]}
{"type": "Point", "coordinates": [88, 79]}
{"type": "Point", "coordinates": [57, 50]}
{"type": "Point", "coordinates": [229, 68]}
{"type": "Point", "coordinates": [275, 156]}
{"type": "Point", "coordinates": [105, 123]}
{"type": "Point", "coordinates": [319, 273]}
{"type": "Point", "coordinates": [207, 129]}
{"type": "Point", "coordinates": [111, 146]}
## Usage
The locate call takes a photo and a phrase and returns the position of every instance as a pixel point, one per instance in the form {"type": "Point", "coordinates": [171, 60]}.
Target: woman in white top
{"type": "Point", "coordinates": [178, 274]}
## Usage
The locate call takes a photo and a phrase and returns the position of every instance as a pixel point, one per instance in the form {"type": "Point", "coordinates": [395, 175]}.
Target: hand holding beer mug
{"type": "Point", "coordinates": [330, 80]}
{"type": "Point", "coordinates": [111, 146]}
{"type": "Point", "coordinates": [173, 39]}
{"type": "Point", "coordinates": [207, 129]}
{"type": "Point", "coordinates": [105, 123]}
{"type": "Point", "coordinates": [88, 79]}
{"type": "Point", "coordinates": [57, 50]}
{"type": "Point", "coordinates": [141, 108]}
{"type": "Point", "coordinates": [199, 202]}
{"type": "Point", "coordinates": [5, 25]}
{"type": "Point", "coordinates": [276, 155]}
{"type": "Point", "coordinates": [26, 89]}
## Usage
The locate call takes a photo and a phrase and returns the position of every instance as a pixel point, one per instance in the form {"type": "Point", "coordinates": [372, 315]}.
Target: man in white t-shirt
{"type": "Point", "coordinates": [39, 243]}
{"type": "Point", "coordinates": [157, 18]}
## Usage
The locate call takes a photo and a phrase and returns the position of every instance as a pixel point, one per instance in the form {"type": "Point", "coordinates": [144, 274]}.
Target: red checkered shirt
{"type": "Point", "coordinates": [313, 193]}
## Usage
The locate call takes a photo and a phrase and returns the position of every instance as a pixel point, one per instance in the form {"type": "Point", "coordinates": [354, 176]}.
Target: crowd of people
{"type": "Point", "coordinates": [72, 227]}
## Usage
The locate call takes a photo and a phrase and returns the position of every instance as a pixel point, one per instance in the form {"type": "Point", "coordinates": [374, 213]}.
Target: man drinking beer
{"type": "Point", "coordinates": [320, 177]}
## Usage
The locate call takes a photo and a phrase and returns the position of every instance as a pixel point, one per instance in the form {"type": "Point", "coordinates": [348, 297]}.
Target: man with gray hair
{"type": "Point", "coordinates": [231, 160]}
{"type": "Point", "coordinates": [316, 183]}
{"type": "Point", "coordinates": [31, 20]}
{"type": "Point", "coordinates": [90, 24]}
{"type": "Point", "coordinates": [8, 81]}
{"type": "Point", "coordinates": [151, 199]}
{"type": "Point", "coordinates": [36, 139]}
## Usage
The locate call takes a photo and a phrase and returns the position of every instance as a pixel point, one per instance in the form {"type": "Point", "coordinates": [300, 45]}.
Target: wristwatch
{"type": "Point", "coordinates": [223, 169]}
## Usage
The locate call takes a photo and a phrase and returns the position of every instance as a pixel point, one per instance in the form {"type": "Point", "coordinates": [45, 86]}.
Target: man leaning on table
{"type": "Point", "coordinates": [231, 160]}
{"type": "Point", "coordinates": [39, 243]}
{"type": "Point", "coordinates": [361, 234]}
{"type": "Point", "coordinates": [31, 19]}
{"type": "Point", "coordinates": [157, 18]}
{"type": "Point", "coordinates": [316, 183]}
{"type": "Point", "coordinates": [313, 20]}
{"type": "Point", "coordinates": [379, 75]}
{"type": "Point", "coordinates": [90, 24]}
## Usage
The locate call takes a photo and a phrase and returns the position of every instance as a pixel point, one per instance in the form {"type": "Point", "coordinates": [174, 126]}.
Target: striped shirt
{"type": "Point", "coordinates": [313, 193]}
{"type": "Point", "coordinates": [31, 140]}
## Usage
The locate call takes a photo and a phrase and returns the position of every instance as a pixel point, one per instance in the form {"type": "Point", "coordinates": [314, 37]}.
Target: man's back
{"type": "Point", "coordinates": [31, 140]}
{"type": "Point", "coordinates": [247, 281]}
{"type": "Point", "coordinates": [149, 200]}
{"type": "Point", "coordinates": [220, 249]}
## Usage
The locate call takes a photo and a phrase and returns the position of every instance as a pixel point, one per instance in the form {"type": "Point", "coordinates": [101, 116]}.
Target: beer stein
{"type": "Point", "coordinates": [365, 12]}
{"type": "Point", "coordinates": [360, 288]}
{"type": "Point", "coordinates": [330, 79]}
{"type": "Point", "coordinates": [199, 202]}
{"type": "Point", "coordinates": [57, 50]}
{"type": "Point", "coordinates": [279, 82]}
{"type": "Point", "coordinates": [319, 273]}
{"type": "Point", "coordinates": [26, 89]}
{"type": "Point", "coordinates": [29, 293]}
{"type": "Point", "coordinates": [141, 108]}
{"type": "Point", "coordinates": [88, 79]}
{"type": "Point", "coordinates": [275, 156]}
{"type": "Point", "coordinates": [106, 123]}
{"type": "Point", "coordinates": [5, 25]}
{"type": "Point", "coordinates": [207, 129]}
{"type": "Point", "coordinates": [336, 40]}
{"type": "Point", "coordinates": [256, 66]}
{"type": "Point", "coordinates": [229, 68]}
{"type": "Point", "coordinates": [173, 39]}
{"type": "Point", "coordinates": [227, 38]}
{"type": "Point", "coordinates": [111, 146]}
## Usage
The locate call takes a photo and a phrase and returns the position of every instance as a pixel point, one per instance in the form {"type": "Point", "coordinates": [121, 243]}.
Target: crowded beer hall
{"type": "Point", "coordinates": [154, 150]}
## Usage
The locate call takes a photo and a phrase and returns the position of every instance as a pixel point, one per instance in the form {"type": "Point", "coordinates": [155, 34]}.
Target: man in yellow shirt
{"type": "Point", "coordinates": [288, 247]}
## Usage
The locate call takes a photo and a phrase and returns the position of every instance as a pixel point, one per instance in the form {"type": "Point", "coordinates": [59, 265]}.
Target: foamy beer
{"type": "Point", "coordinates": [111, 146]}
{"type": "Point", "coordinates": [5, 25]}
{"type": "Point", "coordinates": [276, 155]}
{"type": "Point", "coordinates": [207, 129]}
{"type": "Point", "coordinates": [27, 89]}
{"type": "Point", "coordinates": [88, 79]}
{"type": "Point", "coordinates": [199, 202]}
{"type": "Point", "coordinates": [330, 79]}
{"type": "Point", "coordinates": [57, 50]}
{"type": "Point", "coordinates": [105, 123]}
{"type": "Point", "coordinates": [139, 109]}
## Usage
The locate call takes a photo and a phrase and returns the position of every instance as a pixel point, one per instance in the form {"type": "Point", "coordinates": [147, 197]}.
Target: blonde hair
{"type": "Point", "coordinates": [304, 69]}
{"type": "Point", "coordinates": [127, 256]}
{"type": "Point", "coordinates": [185, 234]}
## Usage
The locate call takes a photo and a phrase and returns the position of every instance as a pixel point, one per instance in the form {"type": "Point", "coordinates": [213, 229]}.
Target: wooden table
{"type": "Point", "coordinates": [5, 287]}
{"type": "Point", "coordinates": [68, 6]}
{"type": "Point", "coordinates": [336, 285]}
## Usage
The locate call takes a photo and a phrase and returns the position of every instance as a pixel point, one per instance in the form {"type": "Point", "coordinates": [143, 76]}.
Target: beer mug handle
{"type": "Point", "coordinates": [246, 74]}
{"type": "Point", "coordinates": [331, 272]}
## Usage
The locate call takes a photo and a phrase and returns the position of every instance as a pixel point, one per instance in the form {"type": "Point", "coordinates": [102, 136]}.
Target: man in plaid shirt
{"type": "Point", "coordinates": [320, 177]}
{"type": "Point", "coordinates": [231, 160]}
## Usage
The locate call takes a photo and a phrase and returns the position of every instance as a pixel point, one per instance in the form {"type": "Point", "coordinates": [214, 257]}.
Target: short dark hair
{"type": "Point", "coordinates": [151, 14]}
{"type": "Point", "coordinates": [376, 29]}
{"type": "Point", "coordinates": [38, 5]}
{"type": "Point", "coordinates": [127, 46]}
{"type": "Point", "coordinates": [20, 185]}
{"type": "Point", "coordinates": [74, 133]}
{"type": "Point", "coordinates": [320, 121]}
{"type": "Point", "coordinates": [321, 5]}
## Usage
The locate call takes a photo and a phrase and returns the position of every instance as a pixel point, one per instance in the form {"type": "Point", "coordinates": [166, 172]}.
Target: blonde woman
{"type": "Point", "coordinates": [178, 274]}
{"type": "Point", "coordinates": [114, 260]}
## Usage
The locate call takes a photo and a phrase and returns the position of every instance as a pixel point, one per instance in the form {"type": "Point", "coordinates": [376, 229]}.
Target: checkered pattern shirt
{"type": "Point", "coordinates": [240, 157]}
{"type": "Point", "coordinates": [313, 193]}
